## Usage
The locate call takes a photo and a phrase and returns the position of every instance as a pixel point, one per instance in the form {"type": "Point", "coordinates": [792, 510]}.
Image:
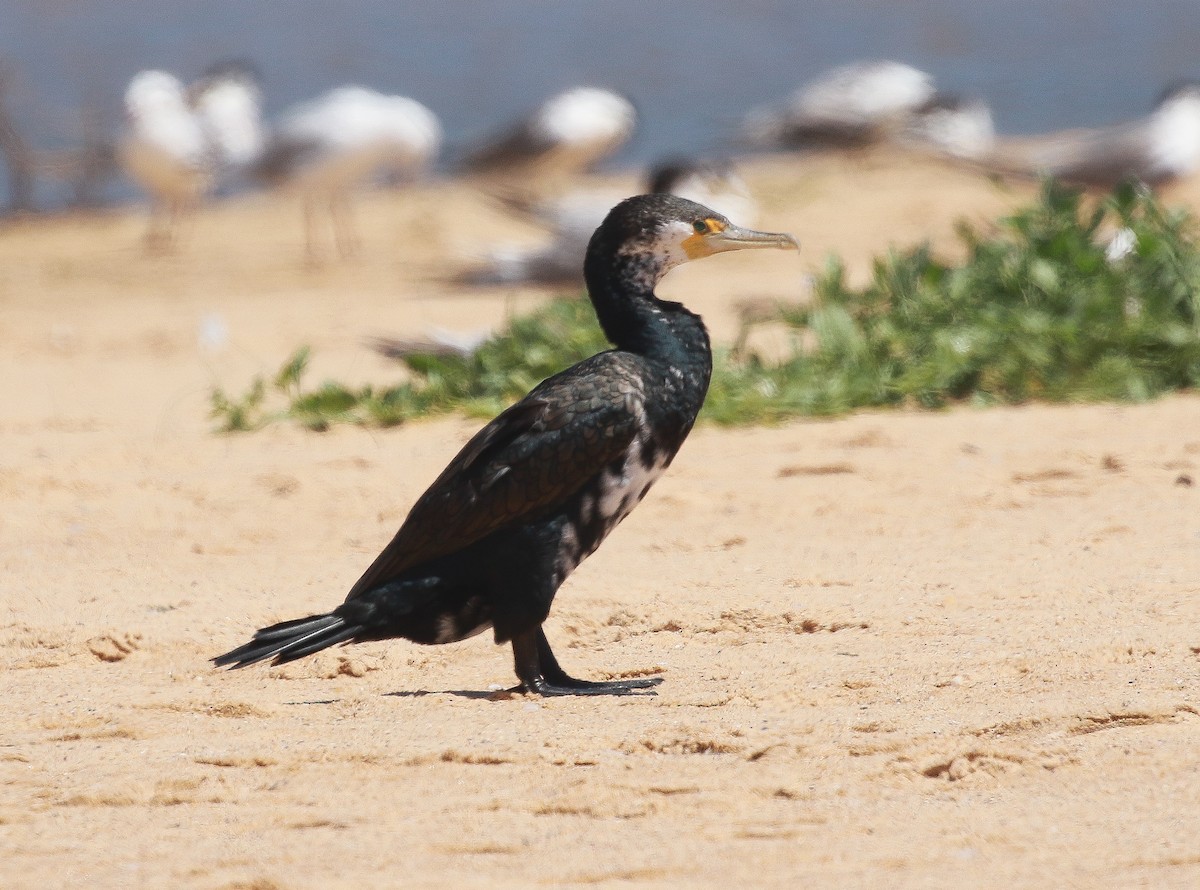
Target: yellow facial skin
{"type": "Point", "coordinates": [711, 236]}
{"type": "Point", "coordinates": [697, 245]}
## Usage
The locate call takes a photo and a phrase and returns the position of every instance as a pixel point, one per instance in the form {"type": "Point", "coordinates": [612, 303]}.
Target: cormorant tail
{"type": "Point", "coordinates": [290, 640]}
{"type": "Point", "coordinates": [359, 618]}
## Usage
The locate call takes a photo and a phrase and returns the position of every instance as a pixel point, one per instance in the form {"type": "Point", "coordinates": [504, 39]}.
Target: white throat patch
{"type": "Point", "coordinates": [666, 247]}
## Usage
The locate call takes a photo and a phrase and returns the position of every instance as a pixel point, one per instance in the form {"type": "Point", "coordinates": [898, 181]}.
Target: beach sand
{"type": "Point", "coordinates": [904, 649]}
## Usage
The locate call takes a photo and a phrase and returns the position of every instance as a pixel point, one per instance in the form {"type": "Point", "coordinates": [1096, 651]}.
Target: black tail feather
{"type": "Point", "coordinates": [290, 640]}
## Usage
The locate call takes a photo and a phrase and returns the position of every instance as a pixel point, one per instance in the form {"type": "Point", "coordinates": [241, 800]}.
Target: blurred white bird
{"type": "Point", "coordinates": [572, 218]}
{"type": "Point", "coordinates": [165, 151]}
{"type": "Point", "coordinates": [854, 104]}
{"type": "Point", "coordinates": [951, 126]}
{"type": "Point", "coordinates": [324, 148]}
{"type": "Point", "coordinates": [1155, 150]}
{"type": "Point", "coordinates": [568, 133]}
{"type": "Point", "coordinates": [436, 341]}
{"type": "Point", "coordinates": [713, 183]}
{"type": "Point", "coordinates": [227, 101]}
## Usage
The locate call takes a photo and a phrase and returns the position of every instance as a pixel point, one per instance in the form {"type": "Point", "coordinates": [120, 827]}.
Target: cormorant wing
{"type": "Point", "coordinates": [527, 461]}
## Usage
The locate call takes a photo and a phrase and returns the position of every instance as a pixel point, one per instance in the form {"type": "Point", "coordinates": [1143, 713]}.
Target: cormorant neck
{"type": "Point", "coordinates": [621, 287]}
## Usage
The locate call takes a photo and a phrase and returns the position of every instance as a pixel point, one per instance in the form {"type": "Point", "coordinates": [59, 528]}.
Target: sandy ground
{"type": "Point", "coordinates": [900, 649]}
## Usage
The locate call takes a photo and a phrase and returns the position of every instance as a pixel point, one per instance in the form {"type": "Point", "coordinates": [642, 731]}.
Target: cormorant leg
{"type": "Point", "coordinates": [540, 672]}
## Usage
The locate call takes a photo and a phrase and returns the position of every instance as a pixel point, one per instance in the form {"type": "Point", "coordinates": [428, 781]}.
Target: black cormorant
{"type": "Point", "coordinates": [537, 489]}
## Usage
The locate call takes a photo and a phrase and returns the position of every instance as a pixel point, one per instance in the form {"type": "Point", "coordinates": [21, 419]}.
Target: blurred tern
{"type": "Point", "coordinates": [325, 147]}
{"type": "Point", "coordinates": [165, 151]}
{"type": "Point", "coordinates": [851, 105]}
{"type": "Point", "coordinates": [568, 133]}
{"type": "Point", "coordinates": [572, 218]}
{"type": "Point", "coordinates": [1155, 150]}
{"type": "Point", "coordinates": [227, 101]}
{"type": "Point", "coordinates": [951, 126]}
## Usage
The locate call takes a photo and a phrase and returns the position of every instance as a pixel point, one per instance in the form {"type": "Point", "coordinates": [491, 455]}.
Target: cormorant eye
{"type": "Point", "coordinates": [700, 226]}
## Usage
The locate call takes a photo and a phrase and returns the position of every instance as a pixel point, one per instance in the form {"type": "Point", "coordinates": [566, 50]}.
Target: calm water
{"type": "Point", "coordinates": [693, 67]}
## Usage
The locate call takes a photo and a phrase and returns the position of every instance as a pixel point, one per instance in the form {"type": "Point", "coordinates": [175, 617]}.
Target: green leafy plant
{"type": "Point", "coordinates": [491, 377]}
{"type": "Point", "coordinates": [1040, 308]}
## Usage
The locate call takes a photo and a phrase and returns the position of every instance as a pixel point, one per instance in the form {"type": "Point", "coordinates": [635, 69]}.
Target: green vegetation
{"type": "Point", "coordinates": [1037, 310]}
{"type": "Point", "coordinates": [495, 375]}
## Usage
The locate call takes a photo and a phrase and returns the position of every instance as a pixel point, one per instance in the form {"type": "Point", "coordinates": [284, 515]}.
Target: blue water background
{"type": "Point", "coordinates": [693, 68]}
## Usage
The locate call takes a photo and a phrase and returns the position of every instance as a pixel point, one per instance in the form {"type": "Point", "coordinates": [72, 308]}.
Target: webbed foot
{"type": "Point", "coordinates": [541, 674]}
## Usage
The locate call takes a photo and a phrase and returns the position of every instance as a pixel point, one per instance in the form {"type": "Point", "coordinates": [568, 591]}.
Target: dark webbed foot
{"type": "Point", "coordinates": [541, 674]}
{"type": "Point", "coordinates": [541, 686]}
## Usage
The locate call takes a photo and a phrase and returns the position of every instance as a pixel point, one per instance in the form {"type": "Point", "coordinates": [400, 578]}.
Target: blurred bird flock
{"type": "Point", "coordinates": [1092, 292]}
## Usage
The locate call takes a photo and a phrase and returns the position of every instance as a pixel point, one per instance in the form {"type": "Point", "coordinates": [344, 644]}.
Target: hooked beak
{"type": "Point", "coordinates": [736, 238]}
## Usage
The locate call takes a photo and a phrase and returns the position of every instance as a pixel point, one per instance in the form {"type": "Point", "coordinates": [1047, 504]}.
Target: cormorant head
{"type": "Point", "coordinates": [646, 235]}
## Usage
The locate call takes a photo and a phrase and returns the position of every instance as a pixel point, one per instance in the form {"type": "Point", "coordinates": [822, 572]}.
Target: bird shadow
{"type": "Point", "coordinates": [477, 694]}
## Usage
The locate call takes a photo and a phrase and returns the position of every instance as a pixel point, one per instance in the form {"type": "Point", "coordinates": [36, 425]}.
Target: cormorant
{"type": "Point", "coordinates": [538, 488]}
